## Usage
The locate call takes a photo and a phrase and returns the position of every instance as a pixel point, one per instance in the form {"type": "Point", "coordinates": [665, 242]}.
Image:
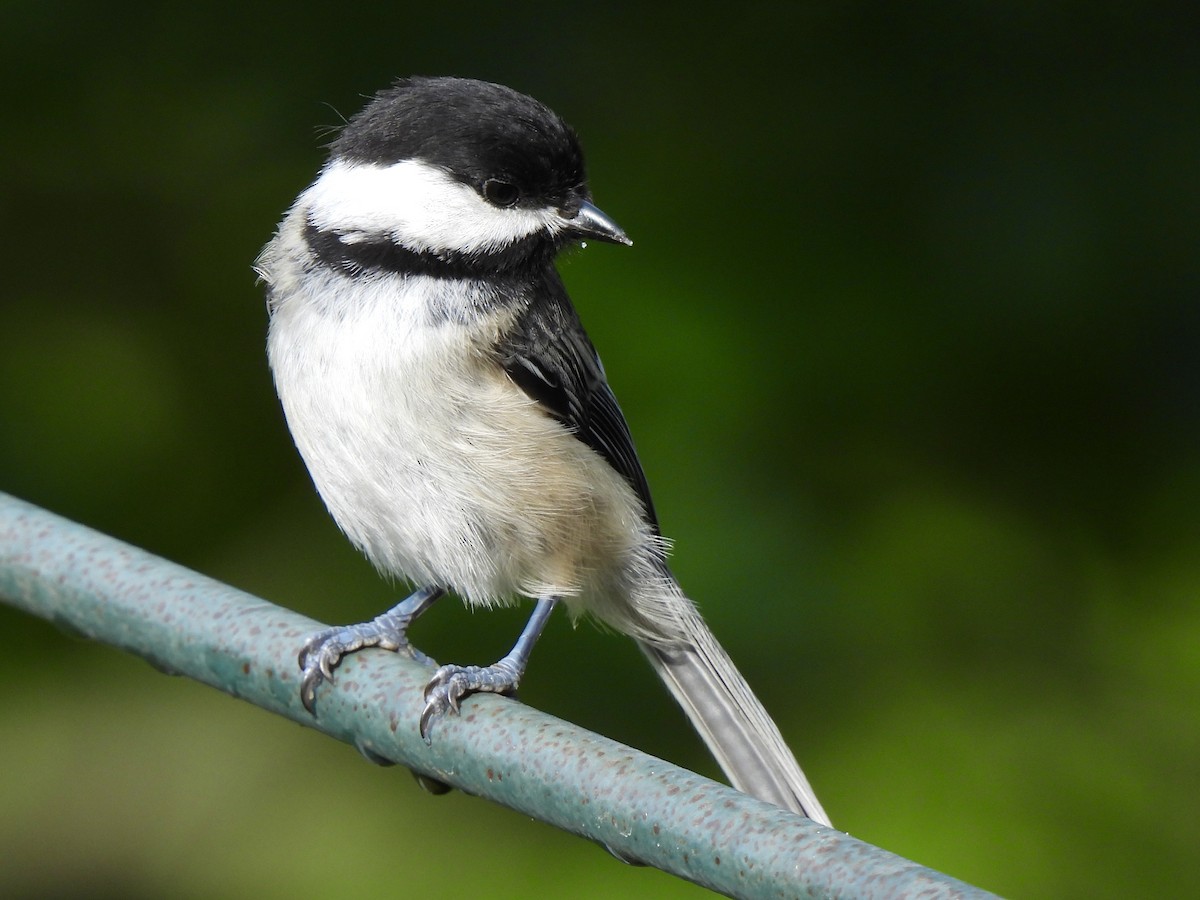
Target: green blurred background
{"type": "Point", "coordinates": [908, 341]}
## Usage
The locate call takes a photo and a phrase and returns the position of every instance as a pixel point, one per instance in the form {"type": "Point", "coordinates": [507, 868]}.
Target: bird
{"type": "Point", "coordinates": [456, 419]}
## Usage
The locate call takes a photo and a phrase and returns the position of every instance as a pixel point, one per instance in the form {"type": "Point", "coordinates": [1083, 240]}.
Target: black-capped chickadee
{"type": "Point", "coordinates": [456, 419]}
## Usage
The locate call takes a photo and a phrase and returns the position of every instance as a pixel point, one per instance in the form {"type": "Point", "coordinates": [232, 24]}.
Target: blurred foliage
{"type": "Point", "coordinates": [908, 340]}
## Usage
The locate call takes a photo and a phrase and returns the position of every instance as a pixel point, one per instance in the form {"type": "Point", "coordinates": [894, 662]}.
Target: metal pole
{"type": "Point", "coordinates": [642, 809]}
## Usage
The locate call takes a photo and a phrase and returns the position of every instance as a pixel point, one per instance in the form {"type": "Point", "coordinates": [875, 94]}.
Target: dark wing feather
{"type": "Point", "coordinates": [549, 356]}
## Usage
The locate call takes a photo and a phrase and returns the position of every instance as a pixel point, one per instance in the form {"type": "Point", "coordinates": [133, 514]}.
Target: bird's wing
{"type": "Point", "coordinates": [549, 356]}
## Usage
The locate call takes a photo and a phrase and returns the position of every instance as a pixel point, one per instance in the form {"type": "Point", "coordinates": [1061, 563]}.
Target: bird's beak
{"type": "Point", "coordinates": [591, 223]}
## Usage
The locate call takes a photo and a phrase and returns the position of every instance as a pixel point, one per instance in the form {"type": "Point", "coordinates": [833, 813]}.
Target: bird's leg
{"type": "Point", "coordinates": [451, 683]}
{"type": "Point", "coordinates": [324, 650]}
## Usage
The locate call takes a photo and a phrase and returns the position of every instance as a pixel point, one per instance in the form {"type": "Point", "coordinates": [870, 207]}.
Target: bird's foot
{"type": "Point", "coordinates": [450, 684]}
{"type": "Point", "coordinates": [323, 651]}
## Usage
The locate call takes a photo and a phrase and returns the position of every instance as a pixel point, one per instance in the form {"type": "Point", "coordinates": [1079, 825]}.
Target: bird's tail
{"type": "Point", "coordinates": [731, 720]}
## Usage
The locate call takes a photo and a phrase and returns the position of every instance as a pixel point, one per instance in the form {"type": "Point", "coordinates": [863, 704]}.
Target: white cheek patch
{"type": "Point", "coordinates": [419, 206]}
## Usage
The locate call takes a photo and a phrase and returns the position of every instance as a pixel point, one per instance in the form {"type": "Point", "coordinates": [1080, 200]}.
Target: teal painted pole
{"type": "Point", "coordinates": [641, 808]}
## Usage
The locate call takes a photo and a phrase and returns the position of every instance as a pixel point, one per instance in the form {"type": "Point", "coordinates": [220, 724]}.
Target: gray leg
{"type": "Point", "coordinates": [324, 650]}
{"type": "Point", "coordinates": [451, 683]}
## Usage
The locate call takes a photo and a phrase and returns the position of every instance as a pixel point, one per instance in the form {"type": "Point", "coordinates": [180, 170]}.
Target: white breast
{"type": "Point", "coordinates": [432, 461]}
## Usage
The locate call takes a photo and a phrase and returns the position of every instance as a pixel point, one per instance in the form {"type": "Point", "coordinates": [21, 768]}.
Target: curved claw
{"type": "Point", "coordinates": [323, 651]}
{"type": "Point", "coordinates": [318, 658]}
{"type": "Point", "coordinates": [450, 684]}
{"type": "Point", "coordinates": [440, 696]}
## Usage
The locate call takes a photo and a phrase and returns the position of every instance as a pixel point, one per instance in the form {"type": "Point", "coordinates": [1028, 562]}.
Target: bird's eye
{"type": "Point", "coordinates": [501, 193]}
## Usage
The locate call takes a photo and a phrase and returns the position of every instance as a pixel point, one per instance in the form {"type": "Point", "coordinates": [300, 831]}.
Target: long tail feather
{"type": "Point", "coordinates": [731, 720]}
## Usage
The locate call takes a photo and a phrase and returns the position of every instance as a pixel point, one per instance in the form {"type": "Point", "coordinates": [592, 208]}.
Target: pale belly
{"type": "Point", "coordinates": [443, 472]}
